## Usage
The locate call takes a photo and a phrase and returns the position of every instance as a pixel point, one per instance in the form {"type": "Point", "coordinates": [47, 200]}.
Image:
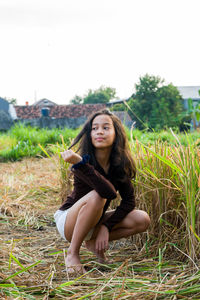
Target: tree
{"type": "Point", "coordinates": [144, 97]}
{"type": "Point", "coordinates": [12, 100]}
{"type": "Point", "coordinates": [101, 95]}
{"type": "Point", "coordinates": [118, 107]}
{"type": "Point", "coordinates": [147, 86]}
{"type": "Point", "coordinates": [76, 100]}
{"type": "Point", "coordinates": [167, 109]}
{"type": "Point", "coordinates": [156, 105]}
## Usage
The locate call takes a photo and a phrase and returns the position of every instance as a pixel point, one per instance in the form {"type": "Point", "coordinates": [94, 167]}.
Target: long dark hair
{"type": "Point", "coordinates": [121, 160]}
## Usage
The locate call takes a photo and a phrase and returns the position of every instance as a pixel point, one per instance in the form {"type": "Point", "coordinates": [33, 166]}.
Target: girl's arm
{"type": "Point", "coordinates": [87, 173]}
{"type": "Point", "coordinates": [127, 204]}
{"type": "Point", "coordinates": [71, 157]}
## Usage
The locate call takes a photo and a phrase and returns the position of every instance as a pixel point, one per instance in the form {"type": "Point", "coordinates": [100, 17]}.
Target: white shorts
{"type": "Point", "coordinates": [60, 218]}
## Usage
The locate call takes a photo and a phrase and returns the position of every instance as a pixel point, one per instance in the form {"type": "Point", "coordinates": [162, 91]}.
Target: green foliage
{"type": "Point", "coordinates": [118, 107]}
{"type": "Point", "coordinates": [147, 87]}
{"type": "Point", "coordinates": [101, 95]}
{"type": "Point", "coordinates": [76, 100]}
{"type": "Point", "coordinates": [155, 105]}
{"type": "Point", "coordinates": [167, 109]}
{"type": "Point", "coordinates": [20, 150]}
{"type": "Point", "coordinates": [163, 136]}
{"type": "Point", "coordinates": [21, 141]}
{"type": "Point", "coordinates": [11, 100]}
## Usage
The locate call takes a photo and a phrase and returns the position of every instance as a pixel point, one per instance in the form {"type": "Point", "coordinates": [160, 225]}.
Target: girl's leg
{"type": "Point", "coordinates": [135, 222]}
{"type": "Point", "coordinates": [82, 217]}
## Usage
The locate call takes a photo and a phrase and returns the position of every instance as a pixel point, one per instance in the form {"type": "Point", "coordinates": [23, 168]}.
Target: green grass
{"type": "Point", "coordinates": [149, 138]}
{"type": "Point", "coordinates": [21, 141]}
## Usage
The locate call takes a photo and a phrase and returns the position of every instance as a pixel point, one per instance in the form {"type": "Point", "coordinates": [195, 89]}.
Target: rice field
{"type": "Point", "coordinates": [162, 263]}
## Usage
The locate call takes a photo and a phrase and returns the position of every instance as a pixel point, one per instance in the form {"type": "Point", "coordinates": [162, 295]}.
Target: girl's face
{"type": "Point", "coordinates": [103, 132]}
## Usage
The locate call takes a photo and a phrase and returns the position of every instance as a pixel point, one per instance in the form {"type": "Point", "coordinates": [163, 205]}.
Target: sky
{"type": "Point", "coordinates": [57, 49]}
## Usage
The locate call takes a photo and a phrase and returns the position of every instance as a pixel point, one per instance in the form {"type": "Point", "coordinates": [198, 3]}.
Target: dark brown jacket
{"type": "Point", "coordinates": [88, 178]}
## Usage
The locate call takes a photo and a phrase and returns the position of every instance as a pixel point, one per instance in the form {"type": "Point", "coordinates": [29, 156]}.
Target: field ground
{"type": "Point", "coordinates": [32, 253]}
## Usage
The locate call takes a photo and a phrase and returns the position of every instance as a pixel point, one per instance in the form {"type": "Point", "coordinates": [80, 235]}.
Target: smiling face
{"type": "Point", "coordinates": [103, 132]}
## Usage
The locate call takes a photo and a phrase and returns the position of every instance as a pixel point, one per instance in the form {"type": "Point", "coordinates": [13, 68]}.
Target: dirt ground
{"type": "Point", "coordinates": [32, 252]}
{"type": "Point", "coordinates": [29, 195]}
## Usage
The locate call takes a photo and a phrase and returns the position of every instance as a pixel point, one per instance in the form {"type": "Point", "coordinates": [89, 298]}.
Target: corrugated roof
{"type": "Point", "coordinates": [189, 92]}
{"type": "Point", "coordinates": [44, 102]}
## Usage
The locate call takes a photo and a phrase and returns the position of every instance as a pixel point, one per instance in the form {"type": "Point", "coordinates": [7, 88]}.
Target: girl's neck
{"type": "Point", "coordinates": [103, 158]}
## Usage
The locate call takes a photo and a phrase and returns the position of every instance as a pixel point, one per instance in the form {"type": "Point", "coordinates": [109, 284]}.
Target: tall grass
{"type": "Point", "coordinates": [168, 188]}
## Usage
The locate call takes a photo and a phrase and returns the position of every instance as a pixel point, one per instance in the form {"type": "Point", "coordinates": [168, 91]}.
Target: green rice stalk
{"type": "Point", "coordinates": [182, 168]}
{"type": "Point", "coordinates": [21, 271]}
{"type": "Point", "coordinates": [17, 261]}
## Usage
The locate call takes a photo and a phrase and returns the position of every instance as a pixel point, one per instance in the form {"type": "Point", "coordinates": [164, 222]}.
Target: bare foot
{"type": "Point", "coordinates": [90, 245]}
{"type": "Point", "coordinates": [73, 264]}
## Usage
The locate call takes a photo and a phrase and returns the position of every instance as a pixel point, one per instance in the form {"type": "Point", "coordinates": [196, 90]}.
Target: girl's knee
{"type": "Point", "coordinates": [96, 200]}
{"type": "Point", "coordinates": [146, 220]}
{"type": "Point", "coordinates": [141, 219]}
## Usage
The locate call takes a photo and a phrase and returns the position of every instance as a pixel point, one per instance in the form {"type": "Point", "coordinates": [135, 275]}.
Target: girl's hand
{"type": "Point", "coordinates": [71, 157]}
{"type": "Point", "coordinates": [102, 239]}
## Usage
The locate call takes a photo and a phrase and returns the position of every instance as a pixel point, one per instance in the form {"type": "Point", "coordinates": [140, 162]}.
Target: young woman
{"type": "Point", "coordinates": [102, 166]}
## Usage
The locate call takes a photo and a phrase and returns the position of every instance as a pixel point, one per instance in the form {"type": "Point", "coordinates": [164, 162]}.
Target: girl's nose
{"type": "Point", "coordinates": [100, 131]}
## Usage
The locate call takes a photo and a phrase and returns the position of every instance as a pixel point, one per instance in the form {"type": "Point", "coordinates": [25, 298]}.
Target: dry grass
{"type": "Point", "coordinates": [31, 251]}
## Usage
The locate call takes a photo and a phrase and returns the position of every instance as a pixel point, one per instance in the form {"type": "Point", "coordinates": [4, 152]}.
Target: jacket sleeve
{"type": "Point", "coordinates": [127, 204]}
{"type": "Point", "coordinates": [87, 173]}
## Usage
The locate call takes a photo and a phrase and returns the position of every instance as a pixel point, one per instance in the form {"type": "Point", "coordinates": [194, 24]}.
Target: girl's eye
{"type": "Point", "coordinates": [106, 128]}
{"type": "Point", "coordinates": [94, 128]}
